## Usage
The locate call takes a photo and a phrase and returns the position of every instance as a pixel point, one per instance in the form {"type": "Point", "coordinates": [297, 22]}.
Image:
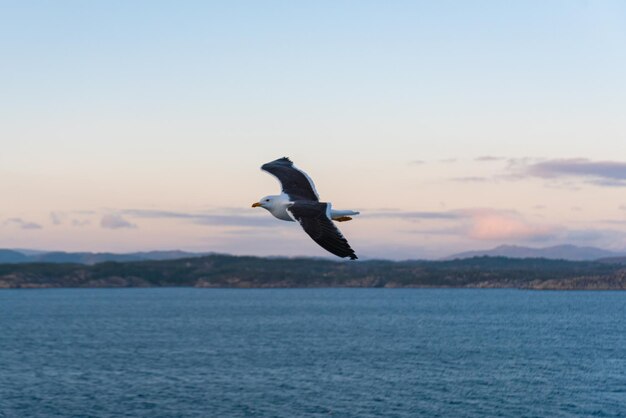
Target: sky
{"type": "Point", "coordinates": [450, 125]}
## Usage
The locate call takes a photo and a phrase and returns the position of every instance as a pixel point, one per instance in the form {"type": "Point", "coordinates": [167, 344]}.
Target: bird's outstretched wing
{"type": "Point", "coordinates": [314, 220]}
{"type": "Point", "coordinates": [294, 182]}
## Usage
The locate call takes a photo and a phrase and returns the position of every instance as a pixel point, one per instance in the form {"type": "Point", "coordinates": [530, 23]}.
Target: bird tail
{"type": "Point", "coordinates": [339, 213]}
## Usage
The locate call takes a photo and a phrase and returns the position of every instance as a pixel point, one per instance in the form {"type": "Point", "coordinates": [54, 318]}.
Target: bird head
{"type": "Point", "coordinates": [265, 202]}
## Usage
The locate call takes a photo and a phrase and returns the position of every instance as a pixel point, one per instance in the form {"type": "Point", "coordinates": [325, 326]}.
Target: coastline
{"type": "Point", "coordinates": [224, 271]}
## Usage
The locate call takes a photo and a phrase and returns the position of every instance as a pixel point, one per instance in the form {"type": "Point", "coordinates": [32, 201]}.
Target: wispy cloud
{"type": "Point", "coordinates": [22, 224]}
{"type": "Point", "coordinates": [57, 218]}
{"type": "Point", "coordinates": [80, 222]}
{"type": "Point", "coordinates": [560, 173]}
{"type": "Point", "coordinates": [206, 218]}
{"type": "Point", "coordinates": [489, 158]}
{"type": "Point", "coordinates": [609, 183]}
{"type": "Point", "coordinates": [601, 173]}
{"type": "Point", "coordinates": [484, 158]}
{"type": "Point", "coordinates": [411, 215]}
{"type": "Point", "coordinates": [71, 217]}
{"type": "Point", "coordinates": [115, 221]}
{"type": "Point", "coordinates": [470, 179]}
{"type": "Point", "coordinates": [453, 231]}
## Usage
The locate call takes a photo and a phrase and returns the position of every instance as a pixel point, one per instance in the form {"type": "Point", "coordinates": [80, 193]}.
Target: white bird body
{"type": "Point", "coordinates": [277, 205]}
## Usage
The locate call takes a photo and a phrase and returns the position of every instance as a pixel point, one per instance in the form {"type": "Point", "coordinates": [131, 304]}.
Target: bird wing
{"type": "Point", "coordinates": [313, 217]}
{"type": "Point", "coordinates": [296, 183]}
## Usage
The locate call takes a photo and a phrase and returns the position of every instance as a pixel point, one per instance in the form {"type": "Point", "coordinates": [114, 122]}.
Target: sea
{"type": "Point", "coordinates": [184, 352]}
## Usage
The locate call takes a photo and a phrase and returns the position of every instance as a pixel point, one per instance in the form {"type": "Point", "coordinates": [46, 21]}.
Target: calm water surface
{"type": "Point", "coordinates": [322, 352]}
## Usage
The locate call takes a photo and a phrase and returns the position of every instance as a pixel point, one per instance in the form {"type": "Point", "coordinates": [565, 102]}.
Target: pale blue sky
{"type": "Point", "coordinates": [107, 107]}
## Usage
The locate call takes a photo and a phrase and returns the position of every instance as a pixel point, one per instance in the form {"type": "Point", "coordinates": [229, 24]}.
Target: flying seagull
{"type": "Point", "coordinates": [300, 202]}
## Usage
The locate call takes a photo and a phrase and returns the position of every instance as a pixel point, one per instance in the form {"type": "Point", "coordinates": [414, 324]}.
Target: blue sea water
{"type": "Point", "coordinates": [179, 352]}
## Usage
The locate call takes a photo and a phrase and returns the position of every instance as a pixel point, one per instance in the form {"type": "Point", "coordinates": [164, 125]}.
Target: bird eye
{"type": "Point", "coordinates": [267, 200]}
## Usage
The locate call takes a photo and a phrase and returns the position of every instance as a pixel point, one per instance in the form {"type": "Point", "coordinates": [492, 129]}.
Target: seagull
{"type": "Point", "coordinates": [300, 202]}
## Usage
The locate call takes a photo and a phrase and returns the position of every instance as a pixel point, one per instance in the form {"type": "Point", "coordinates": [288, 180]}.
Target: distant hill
{"type": "Point", "coordinates": [27, 256]}
{"type": "Point", "coordinates": [558, 252]}
{"type": "Point", "coordinates": [11, 256]}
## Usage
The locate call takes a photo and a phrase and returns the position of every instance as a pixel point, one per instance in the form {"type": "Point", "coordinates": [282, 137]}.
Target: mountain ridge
{"type": "Point", "coordinates": [556, 252]}
{"type": "Point", "coordinates": [17, 256]}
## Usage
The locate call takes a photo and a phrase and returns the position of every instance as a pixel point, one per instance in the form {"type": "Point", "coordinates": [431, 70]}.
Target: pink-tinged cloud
{"type": "Point", "coordinates": [490, 224]}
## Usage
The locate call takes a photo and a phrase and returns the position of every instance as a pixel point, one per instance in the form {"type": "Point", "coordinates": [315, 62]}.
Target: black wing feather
{"type": "Point", "coordinates": [313, 219]}
{"type": "Point", "coordinates": [293, 181]}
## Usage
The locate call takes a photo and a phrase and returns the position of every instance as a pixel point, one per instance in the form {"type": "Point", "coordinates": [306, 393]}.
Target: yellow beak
{"type": "Point", "coordinates": [256, 205]}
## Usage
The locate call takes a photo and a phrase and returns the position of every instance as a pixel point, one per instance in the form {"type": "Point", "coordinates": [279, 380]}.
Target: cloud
{"type": "Point", "coordinates": [115, 221]}
{"type": "Point", "coordinates": [206, 218]}
{"type": "Point", "coordinates": [491, 224]}
{"type": "Point", "coordinates": [63, 217]}
{"type": "Point", "coordinates": [22, 224]}
{"type": "Point", "coordinates": [80, 222]}
{"type": "Point", "coordinates": [84, 212]}
{"type": "Point", "coordinates": [561, 173]}
{"type": "Point", "coordinates": [470, 179]}
{"type": "Point", "coordinates": [483, 158]}
{"type": "Point", "coordinates": [609, 183]}
{"type": "Point", "coordinates": [602, 173]}
{"type": "Point", "coordinates": [478, 224]}
{"type": "Point", "coordinates": [149, 213]}
{"type": "Point", "coordinates": [411, 215]}
{"type": "Point", "coordinates": [455, 231]}
{"type": "Point", "coordinates": [614, 221]}
{"type": "Point", "coordinates": [489, 158]}
{"type": "Point", "coordinates": [509, 227]}
{"type": "Point", "coordinates": [57, 218]}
